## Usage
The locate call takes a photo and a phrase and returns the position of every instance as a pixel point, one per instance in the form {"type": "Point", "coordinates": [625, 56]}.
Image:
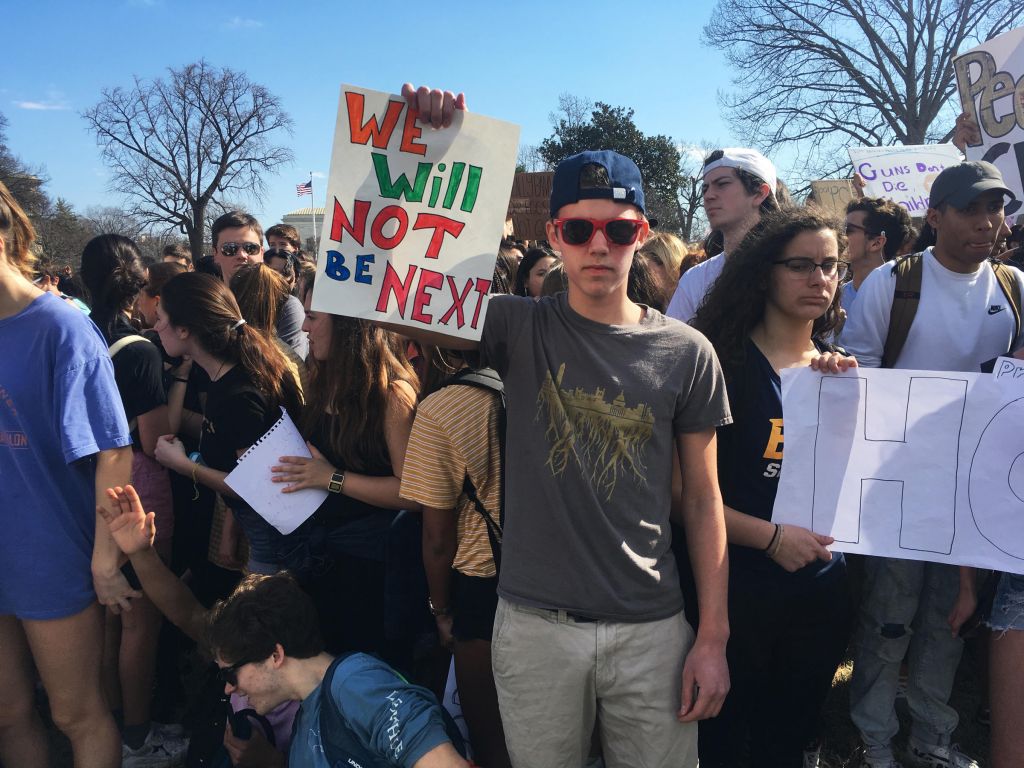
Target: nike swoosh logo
{"type": "Point", "coordinates": [995, 309]}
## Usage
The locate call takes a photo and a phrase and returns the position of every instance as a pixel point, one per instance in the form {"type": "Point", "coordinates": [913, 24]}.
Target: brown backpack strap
{"type": "Point", "coordinates": [905, 300]}
{"type": "Point", "coordinates": [1008, 282]}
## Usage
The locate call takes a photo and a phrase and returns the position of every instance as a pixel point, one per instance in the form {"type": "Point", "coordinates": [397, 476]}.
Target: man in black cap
{"type": "Point", "coordinates": [968, 314]}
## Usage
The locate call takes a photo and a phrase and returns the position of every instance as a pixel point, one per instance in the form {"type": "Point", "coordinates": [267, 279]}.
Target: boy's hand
{"type": "Point", "coordinates": [434, 106]}
{"type": "Point", "coordinates": [132, 529]}
{"type": "Point", "coordinates": [705, 682]}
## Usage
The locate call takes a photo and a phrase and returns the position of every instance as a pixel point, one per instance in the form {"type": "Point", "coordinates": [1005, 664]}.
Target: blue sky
{"type": "Point", "coordinates": [512, 60]}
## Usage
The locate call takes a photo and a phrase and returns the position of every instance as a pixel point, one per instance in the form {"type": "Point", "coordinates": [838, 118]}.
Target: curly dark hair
{"type": "Point", "coordinates": [736, 302]}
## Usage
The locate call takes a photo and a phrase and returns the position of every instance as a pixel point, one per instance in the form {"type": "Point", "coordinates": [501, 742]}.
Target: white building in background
{"type": "Point", "coordinates": [302, 219]}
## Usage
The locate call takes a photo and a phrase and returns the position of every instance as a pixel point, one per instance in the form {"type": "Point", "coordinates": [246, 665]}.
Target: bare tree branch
{"type": "Point", "coordinates": [176, 145]}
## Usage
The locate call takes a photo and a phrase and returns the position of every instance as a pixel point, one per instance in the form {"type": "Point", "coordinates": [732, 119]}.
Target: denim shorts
{"type": "Point", "coordinates": [1008, 606]}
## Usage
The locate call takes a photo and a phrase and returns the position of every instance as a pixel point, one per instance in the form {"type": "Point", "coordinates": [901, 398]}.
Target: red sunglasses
{"type": "Point", "coordinates": [618, 231]}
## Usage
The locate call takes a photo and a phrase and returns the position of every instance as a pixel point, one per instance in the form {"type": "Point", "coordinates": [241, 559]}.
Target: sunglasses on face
{"type": "Point", "coordinates": [617, 231]}
{"type": "Point", "coordinates": [230, 249]}
{"type": "Point", "coordinates": [801, 267]}
{"type": "Point", "coordinates": [229, 675]}
{"type": "Point", "coordinates": [851, 228]}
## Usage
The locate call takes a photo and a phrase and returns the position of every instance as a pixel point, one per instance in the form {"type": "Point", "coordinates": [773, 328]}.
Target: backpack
{"type": "Point", "coordinates": [909, 271]}
{"type": "Point", "coordinates": [344, 748]}
{"type": "Point", "coordinates": [116, 347]}
{"type": "Point", "coordinates": [487, 378]}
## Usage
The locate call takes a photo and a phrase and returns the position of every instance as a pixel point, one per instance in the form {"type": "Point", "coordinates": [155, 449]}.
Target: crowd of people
{"type": "Point", "coordinates": [574, 512]}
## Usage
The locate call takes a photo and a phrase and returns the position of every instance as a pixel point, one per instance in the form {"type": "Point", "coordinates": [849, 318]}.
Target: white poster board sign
{"type": "Point", "coordinates": [414, 215]}
{"type": "Point", "coordinates": [990, 79]}
{"type": "Point", "coordinates": [903, 174]}
{"type": "Point", "coordinates": [921, 465]}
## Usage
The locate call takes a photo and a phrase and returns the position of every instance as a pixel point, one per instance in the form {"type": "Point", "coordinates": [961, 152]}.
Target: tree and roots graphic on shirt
{"type": "Point", "coordinates": [606, 439]}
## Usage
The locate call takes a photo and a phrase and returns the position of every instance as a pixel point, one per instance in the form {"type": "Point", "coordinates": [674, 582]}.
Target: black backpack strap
{"type": "Point", "coordinates": [487, 378]}
{"type": "Point", "coordinates": [905, 300]}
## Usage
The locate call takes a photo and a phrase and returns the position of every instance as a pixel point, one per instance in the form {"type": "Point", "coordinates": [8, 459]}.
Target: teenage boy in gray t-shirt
{"type": "Point", "coordinates": [602, 394]}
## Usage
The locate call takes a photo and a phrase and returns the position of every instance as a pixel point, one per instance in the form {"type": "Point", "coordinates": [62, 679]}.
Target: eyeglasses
{"type": "Point", "coordinates": [230, 249]}
{"type": "Point", "coordinates": [229, 675]}
{"type": "Point", "coordinates": [618, 231]}
{"type": "Point", "coordinates": [802, 267]}
{"type": "Point", "coordinates": [279, 253]}
{"type": "Point", "coordinates": [850, 228]}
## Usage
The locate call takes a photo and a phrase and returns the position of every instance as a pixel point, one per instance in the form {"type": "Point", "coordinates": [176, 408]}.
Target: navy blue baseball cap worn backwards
{"type": "Point", "coordinates": [626, 183]}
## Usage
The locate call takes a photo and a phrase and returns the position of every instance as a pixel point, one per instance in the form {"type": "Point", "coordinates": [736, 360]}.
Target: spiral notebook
{"type": "Point", "coordinates": [251, 478]}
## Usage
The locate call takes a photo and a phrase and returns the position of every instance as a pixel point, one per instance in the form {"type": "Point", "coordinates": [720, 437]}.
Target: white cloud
{"type": "Point", "coordinates": [319, 175]}
{"type": "Point", "coordinates": [238, 22]}
{"type": "Point", "coordinates": [41, 105]}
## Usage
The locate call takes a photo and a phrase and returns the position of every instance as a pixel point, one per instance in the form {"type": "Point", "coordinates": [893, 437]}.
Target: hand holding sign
{"type": "Point", "coordinates": [414, 216]}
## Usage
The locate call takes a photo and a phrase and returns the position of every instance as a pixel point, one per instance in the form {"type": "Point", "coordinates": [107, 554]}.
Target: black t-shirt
{"type": "Point", "coordinates": [749, 465]}
{"type": "Point", "coordinates": [237, 415]}
{"type": "Point", "coordinates": [139, 372]}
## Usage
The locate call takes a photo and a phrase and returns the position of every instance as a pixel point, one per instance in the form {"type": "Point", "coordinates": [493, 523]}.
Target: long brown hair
{"type": "Point", "coordinates": [260, 293]}
{"type": "Point", "coordinates": [736, 302]}
{"type": "Point", "coordinates": [17, 233]}
{"type": "Point", "coordinates": [354, 384]}
{"type": "Point", "coordinates": [204, 305]}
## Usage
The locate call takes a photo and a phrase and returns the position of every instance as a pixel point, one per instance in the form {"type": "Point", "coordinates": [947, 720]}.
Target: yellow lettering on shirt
{"type": "Point", "coordinates": [774, 448]}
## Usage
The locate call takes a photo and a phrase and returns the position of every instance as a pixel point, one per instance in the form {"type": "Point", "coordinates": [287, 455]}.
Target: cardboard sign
{"type": "Point", "coordinates": [991, 83]}
{"type": "Point", "coordinates": [903, 174]}
{"type": "Point", "coordinates": [414, 215]}
{"type": "Point", "coordinates": [833, 194]}
{"type": "Point", "coordinates": [529, 206]}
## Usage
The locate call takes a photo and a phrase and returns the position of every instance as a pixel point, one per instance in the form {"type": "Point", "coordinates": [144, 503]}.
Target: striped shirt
{"type": "Point", "coordinates": [456, 433]}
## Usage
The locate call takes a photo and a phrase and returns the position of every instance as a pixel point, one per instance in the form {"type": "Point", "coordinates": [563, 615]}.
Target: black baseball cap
{"type": "Point", "coordinates": [958, 185]}
{"type": "Point", "coordinates": [626, 183]}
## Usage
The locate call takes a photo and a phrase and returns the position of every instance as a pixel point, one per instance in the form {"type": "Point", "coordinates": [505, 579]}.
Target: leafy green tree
{"type": "Point", "coordinates": [608, 127]}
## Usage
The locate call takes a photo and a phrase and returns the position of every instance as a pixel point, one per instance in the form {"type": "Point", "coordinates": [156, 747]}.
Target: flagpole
{"type": "Point", "coordinates": [312, 210]}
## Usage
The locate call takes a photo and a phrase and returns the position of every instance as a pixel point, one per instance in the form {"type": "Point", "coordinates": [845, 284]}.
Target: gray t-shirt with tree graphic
{"type": "Point", "coordinates": [593, 411]}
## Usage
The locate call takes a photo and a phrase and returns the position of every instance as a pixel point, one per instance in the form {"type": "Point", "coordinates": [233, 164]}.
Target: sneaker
{"type": "Point", "coordinates": [939, 757]}
{"type": "Point", "coordinates": [812, 757]}
{"type": "Point", "coordinates": [160, 750]}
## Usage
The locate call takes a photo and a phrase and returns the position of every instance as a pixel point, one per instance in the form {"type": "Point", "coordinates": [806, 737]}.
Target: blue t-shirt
{"type": "Point", "coordinates": [399, 721]}
{"type": "Point", "coordinates": [59, 406]}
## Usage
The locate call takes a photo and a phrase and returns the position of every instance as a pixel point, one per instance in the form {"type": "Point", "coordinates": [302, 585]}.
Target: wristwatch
{"type": "Point", "coordinates": [435, 611]}
{"type": "Point", "coordinates": [337, 481]}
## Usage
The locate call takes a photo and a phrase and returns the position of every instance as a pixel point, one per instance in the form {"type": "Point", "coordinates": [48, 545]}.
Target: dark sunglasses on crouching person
{"type": "Point", "coordinates": [617, 231]}
{"type": "Point", "coordinates": [229, 675]}
{"type": "Point", "coordinates": [803, 267]}
{"type": "Point", "coordinates": [230, 249]}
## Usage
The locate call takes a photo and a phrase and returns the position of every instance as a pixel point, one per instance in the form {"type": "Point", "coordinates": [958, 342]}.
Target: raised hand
{"type": "Point", "coordinates": [435, 106]}
{"type": "Point", "coordinates": [132, 529]}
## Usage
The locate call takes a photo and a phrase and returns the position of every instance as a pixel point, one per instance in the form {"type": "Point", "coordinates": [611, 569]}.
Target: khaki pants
{"type": "Point", "coordinates": [556, 675]}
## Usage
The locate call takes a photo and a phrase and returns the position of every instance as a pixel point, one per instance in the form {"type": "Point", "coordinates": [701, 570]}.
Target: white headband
{"type": "Point", "coordinates": [749, 160]}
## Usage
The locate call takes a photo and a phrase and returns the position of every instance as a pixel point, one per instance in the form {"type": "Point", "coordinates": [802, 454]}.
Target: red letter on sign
{"type": "Point", "coordinates": [382, 218]}
{"type": "Point", "coordinates": [428, 279]}
{"type": "Point", "coordinates": [440, 225]}
{"type": "Point", "coordinates": [458, 300]}
{"type": "Point", "coordinates": [412, 131]}
{"type": "Point", "coordinates": [340, 221]}
{"type": "Point", "coordinates": [360, 133]}
{"type": "Point", "coordinates": [392, 283]}
{"type": "Point", "coordinates": [482, 287]}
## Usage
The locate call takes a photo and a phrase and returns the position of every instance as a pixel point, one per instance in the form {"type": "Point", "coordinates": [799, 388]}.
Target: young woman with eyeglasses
{"type": "Point", "coordinates": [249, 384]}
{"type": "Point", "coordinates": [774, 306]}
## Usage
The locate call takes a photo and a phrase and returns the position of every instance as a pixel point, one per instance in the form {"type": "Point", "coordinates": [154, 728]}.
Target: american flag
{"type": "Point", "coordinates": [304, 189]}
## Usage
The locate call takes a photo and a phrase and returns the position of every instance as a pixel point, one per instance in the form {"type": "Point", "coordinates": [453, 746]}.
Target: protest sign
{"type": "Point", "coordinates": [903, 174]}
{"type": "Point", "coordinates": [990, 79]}
{"type": "Point", "coordinates": [529, 206]}
{"type": "Point", "coordinates": [921, 465]}
{"type": "Point", "coordinates": [414, 215]}
{"type": "Point", "coordinates": [833, 194]}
